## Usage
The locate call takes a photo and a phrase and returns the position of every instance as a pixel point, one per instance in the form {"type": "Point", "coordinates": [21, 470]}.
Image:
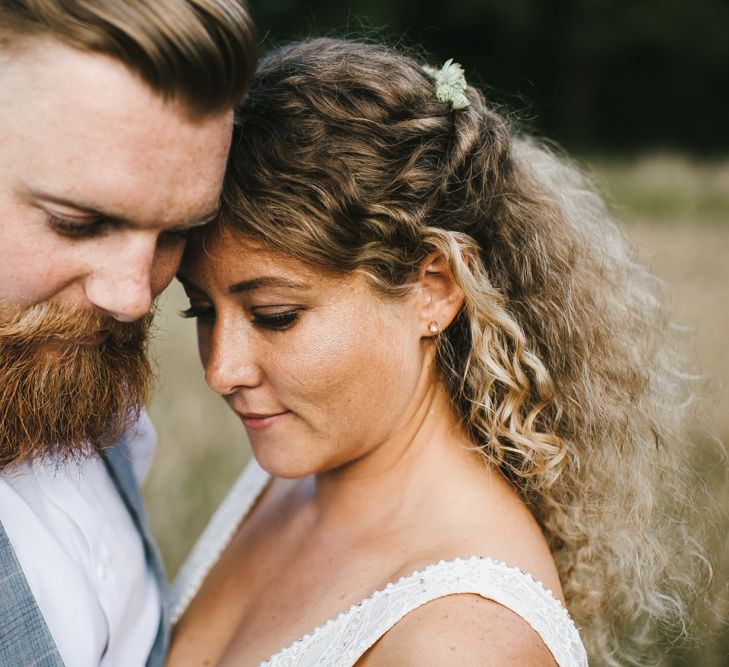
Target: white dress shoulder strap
{"type": "Point", "coordinates": [343, 640]}
{"type": "Point", "coordinates": [216, 536]}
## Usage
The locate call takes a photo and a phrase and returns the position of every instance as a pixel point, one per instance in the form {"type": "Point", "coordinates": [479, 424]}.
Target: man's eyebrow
{"type": "Point", "coordinates": [94, 211]}
{"type": "Point", "coordinates": [266, 281]}
{"type": "Point", "coordinates": [79, 206]}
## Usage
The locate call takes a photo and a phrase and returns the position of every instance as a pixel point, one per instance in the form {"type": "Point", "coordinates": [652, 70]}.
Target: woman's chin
{"type": "Point", "coordinates": [279, 464]}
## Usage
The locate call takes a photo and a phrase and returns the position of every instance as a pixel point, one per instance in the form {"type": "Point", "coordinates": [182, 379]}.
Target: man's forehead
{"type": "Point", "coordinates": [99, 142]}
{"type": "Point", "coordinates": [82, 93]}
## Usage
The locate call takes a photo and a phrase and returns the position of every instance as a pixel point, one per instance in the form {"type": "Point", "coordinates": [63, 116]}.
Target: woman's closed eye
{"type": "Point", "coordinates": [277, 321]}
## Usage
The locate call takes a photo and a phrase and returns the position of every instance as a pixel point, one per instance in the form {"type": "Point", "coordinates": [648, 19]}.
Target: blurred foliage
{"type": "Point", "coordinates": [665, 189]}
{"type": "Point", "coordinates": [610, 75]}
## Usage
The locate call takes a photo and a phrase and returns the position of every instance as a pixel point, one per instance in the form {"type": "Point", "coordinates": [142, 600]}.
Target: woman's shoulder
{"type": "Point", "coordinates": [476, 611]}
{"type": "Point", "coordinates": [463, 629]}
{"type": "Point", "coordinates": [456, 598]}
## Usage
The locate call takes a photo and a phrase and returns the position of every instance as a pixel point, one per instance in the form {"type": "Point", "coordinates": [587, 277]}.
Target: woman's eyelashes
{"type": "Point", "coordinates": [277, 321]}
{"type": "Point", "coordinates": [198, 312]}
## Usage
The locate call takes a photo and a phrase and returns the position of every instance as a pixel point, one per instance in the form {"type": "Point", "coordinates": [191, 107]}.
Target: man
{"type": "Point", "coordinates": [115, 121]}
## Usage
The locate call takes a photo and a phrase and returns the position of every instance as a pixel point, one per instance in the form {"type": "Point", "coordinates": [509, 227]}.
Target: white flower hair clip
{"type": "Point", "coordinates": [450, 84]}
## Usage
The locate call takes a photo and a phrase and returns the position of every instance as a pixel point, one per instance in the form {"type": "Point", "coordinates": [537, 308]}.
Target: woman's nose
{"type": "Point", "coordinates": [231, 361]}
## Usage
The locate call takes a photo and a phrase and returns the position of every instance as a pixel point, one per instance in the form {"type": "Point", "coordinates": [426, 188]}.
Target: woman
{"type": "Point", "coordinates": [455, 383]}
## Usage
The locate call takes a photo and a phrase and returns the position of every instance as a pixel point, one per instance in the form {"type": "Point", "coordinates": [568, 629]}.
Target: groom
{"type": "Point", "coordinates": [115, 122]}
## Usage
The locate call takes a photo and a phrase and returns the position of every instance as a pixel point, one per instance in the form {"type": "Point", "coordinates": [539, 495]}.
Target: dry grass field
{"type": "Point", "coordinates": [676, 212]}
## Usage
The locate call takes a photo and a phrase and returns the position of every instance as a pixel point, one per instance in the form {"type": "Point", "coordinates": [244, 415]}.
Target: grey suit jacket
{"type": "Point", "coordinates": [25, 640]}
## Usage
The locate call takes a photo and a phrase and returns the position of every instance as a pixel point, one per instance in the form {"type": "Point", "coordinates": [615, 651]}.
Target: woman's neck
{"type": "Point", "coordinates": [403, 474]}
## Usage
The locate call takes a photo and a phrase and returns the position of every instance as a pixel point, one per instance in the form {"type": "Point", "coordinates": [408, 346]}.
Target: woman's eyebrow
{"type": "Point", "coordinates": [266, 281]}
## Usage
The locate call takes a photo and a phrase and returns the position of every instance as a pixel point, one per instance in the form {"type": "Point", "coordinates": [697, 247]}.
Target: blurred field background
{"type": "Point", "coordinates": [637, 89]}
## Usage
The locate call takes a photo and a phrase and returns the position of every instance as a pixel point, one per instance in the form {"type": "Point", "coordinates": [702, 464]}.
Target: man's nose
{"type": "Point", "coordinates": [120, 282]}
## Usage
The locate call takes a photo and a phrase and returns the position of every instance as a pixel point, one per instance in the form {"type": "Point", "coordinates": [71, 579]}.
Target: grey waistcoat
{"type": "Point", "coordinates": [25, 640]}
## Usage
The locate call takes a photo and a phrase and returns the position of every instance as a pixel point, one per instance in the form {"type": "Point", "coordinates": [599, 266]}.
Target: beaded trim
{"type": "Point", "coordinates": [572, 655]}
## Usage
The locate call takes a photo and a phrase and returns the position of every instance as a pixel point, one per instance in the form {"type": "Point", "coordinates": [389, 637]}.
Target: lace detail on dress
{"type": "Point", "coordinates": [216, 537]}
{"type": "Point", "coordinates": [341, 641]}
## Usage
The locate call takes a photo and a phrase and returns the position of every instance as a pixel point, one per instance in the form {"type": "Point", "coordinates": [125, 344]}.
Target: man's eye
{"type": "Point", "coordinates": [276, 321]}
{"type": "Point", "coordinates": [76, 229]}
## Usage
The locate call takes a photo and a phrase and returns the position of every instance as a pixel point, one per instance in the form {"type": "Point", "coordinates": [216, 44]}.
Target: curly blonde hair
{"type": "Point", "coordinates": [559, 365]}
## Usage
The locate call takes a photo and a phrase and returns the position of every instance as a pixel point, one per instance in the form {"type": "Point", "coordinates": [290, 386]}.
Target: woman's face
{"type": "Point", "coordinates": [320, 369]}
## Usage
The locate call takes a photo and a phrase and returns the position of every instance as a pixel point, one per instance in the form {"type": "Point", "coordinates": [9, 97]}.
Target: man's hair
{"type": "Point", "coordinates": [200, 53]}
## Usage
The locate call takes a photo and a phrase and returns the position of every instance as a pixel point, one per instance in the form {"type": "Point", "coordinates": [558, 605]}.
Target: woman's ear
{"type": "Point", "coordinates": [442, 298]}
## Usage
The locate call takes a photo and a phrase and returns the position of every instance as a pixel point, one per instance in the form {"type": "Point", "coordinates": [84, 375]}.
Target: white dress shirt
{"type": "Point", "coordinates": [83, 557]}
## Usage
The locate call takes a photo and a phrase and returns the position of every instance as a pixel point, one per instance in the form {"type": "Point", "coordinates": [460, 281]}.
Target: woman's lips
{"type": "Point", "coordinates": [258, 422]}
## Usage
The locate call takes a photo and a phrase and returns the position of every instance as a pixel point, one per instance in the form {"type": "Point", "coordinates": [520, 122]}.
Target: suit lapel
{"type": "Point", "coordinates": [119, 465]}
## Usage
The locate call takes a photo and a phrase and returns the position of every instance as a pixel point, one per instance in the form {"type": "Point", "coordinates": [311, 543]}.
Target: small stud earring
{"type": "Point", "coordinates": [433, 327]}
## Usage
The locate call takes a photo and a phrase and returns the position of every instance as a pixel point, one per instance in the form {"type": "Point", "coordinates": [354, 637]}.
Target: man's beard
{"type": "Point", "coordinates": [62, 399]}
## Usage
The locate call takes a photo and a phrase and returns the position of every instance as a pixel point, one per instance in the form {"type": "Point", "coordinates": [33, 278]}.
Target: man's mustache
{"type": "Point", "coordinates": [50, 322]}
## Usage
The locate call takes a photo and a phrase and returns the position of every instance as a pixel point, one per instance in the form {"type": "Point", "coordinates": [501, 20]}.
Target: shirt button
{"type": "Point", "coordinates": [101, 572]}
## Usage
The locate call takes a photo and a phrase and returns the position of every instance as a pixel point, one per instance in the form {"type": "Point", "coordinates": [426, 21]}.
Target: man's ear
{"type": "Point", "coordinates": [442, 298]}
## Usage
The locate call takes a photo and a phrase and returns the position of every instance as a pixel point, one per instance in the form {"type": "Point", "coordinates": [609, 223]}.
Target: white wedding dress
{"type": "Point", "coordinates": [342, 640]}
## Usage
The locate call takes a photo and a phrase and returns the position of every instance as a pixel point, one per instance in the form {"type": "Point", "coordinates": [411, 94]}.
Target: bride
{"type": "Point", "coordinates": [450, 370]}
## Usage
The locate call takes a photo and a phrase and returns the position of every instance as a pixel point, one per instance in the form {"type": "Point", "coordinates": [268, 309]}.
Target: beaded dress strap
{"type": "Point", "coordinates": [343, 640]}
{"type": "Point", "coordinates": [216, 536]}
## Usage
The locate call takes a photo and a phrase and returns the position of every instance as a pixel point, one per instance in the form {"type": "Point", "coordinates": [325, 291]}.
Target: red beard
{"type": "Point", "coordinates": [60, 398]}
